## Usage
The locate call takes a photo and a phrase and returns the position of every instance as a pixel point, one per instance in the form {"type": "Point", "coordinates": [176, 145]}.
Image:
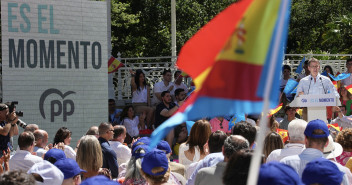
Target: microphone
{"type": "Point", "coordinates": [321, 81]}
{"type": "Point", "coordinates": [311, 78]}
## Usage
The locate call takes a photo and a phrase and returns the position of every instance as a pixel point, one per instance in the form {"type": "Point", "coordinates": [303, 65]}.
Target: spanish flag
{"type": "Point", "coordinates": [275, 110]}
{"type": "Point", "coordinates": [114, 64]}
{"type": "Point", "coordinates": [335, 126]}
{"type": "Point", "coordinates": [283, 134]}
{"type": "Point", "coordinates": [231, 59]}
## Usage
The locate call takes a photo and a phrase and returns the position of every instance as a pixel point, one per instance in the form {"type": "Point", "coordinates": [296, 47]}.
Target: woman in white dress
{"type": "Point", "coordinates": [63, 135]}
{"type": "Point", "coordinates": [132, 122]}
{"type": "Point", "coordinates": [195, 148]}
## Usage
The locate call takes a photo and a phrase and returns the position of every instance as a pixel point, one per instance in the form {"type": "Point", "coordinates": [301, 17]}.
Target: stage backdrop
{"type": "Point", "coordinates": [54, 62]}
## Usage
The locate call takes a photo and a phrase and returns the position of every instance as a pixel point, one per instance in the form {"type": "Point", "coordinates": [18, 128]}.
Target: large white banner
{"type": "Point", "coordinates": [54, 62]}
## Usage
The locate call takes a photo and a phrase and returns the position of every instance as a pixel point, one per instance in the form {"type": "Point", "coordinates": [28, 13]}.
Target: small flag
{"type": "Point", "coordinates": [283, 134]}
{"type": "Point", "coordinates": [349, 88]}
{"type": "Point", "coordinates": [275, 110]}
{"type": "Point", "coordinates": [300, 67]}
{"type": "Point", "coordinates": [114, 64]}
{"type": "Point", "coordinates": [300, 112]}
{"type": "Point", "coordinates": [335, 84]}
{"type": "Point", "coordinates": [290, 86]}
{"type": "Point", "coordinates": [340, 76]}
{"type": "Point", "coordinates": [235, 119]}
{"type": "Point", "coordinates": [335, 126]}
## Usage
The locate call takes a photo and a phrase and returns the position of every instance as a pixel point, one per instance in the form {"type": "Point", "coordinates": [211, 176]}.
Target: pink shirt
{"type": "Point", "coordinates": [343, 158]}
{"type": "Point", "coordinates": [215, 125]}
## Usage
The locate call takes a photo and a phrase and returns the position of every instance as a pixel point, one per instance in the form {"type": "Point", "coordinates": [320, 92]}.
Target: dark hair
{"type": "Point", "coordinates": [136, 79]}
{"type": "Point", "coordinates": [103, 128]}
{"type": "Point", "coordinates": [348, 60]}
{"type": "Point", "coordinates": [92, 131]}
{"type": "Point", "coordinates": [233, 144]}
{"type": "Point", "coordinates": [111, 100]}
{"type": "Point", "coordinates": [246, 130]}
{"type": "Point", "coordinates": [178, 91]}
{"type": "Point", "coordinates": [237, 168]}
{"type": "Point", "coordinates": [330, 68]}
{"type": "Point", "coordinates": [344, 138]}
{"type": "Point", "coordinates": [124, 113]}
{"type": "Point", "coordinates": [164, 93]}
{"type": "Point", "coordinates": [61, 135]}
{"type": "Point", "coordinates": [199, 135]}
{"type": "Point", "coordinates": [118, 130]}
{"type": "Point", "coordinates": [318, 141]}
{"type": "Point", "coordinates": [216, 141]}
{"type": "Point", "coordinates": [272, 142]}
{"type": "Point", "coordinates": [17, 177]}
{"type": "Point", "coordinates": [25, 140]}
{"type": "Point", "coordinates": [286, 67]}
{"type": "Point", "coordinates": [176, 72]}
{"type": "Point", "coordinates": [166, 71]}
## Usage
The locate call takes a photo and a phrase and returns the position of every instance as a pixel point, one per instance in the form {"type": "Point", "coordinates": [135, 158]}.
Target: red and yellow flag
{"type": "Point", "coordinates": [349, 88]}
{"type": "Point", "coordinates": [275, 110]}
{"type": "Point", "coordinates": [114, 64]}
{"type": "Point", "coordinates": [283, 134]}
{"type": "Point", "coordinates": [335, 126]}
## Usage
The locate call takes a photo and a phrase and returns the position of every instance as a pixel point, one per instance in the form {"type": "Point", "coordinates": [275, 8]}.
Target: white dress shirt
{"type": "Point", "coordinates": [123, 153]}
{"type": "Point", "coordinates": [23, 160]}
{"type": "Point", "coordinates": [69, 152]}
{"type": "Point", "coordinates": [288, 150]}
{"type": "Point", "coordinates": [322, 85]}
{"type": "Point", "coordinates": [132, 126]}
{"type": "Point", "coordinates": [40, 151]}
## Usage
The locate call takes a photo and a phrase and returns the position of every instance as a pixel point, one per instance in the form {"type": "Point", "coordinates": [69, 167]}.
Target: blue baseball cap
{"type": "Point", "coordinates": [316, 124]}
{"type": "Point", "coordinates": [155, 158]}
{"type": "Point", "coordinates": [322, 171]}
{"type": "Point", "coordinates": [99, 180]}
{"type": "Point", "coordinates": [278, 174]}
{"type": "Point", "coordinates": [54, 153]}
{"type": "Point", "coordinates": [141, 141]}
{"type": "Point", "coordinates": [68, 167]}
{"type": "Point", "coordinates": [164, 146]}
{"type": "Point", "coordinates": [140, 151]}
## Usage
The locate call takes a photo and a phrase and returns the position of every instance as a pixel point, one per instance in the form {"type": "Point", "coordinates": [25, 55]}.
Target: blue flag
{"type": "Point", "coordinates": [300, 67]}
{"type": "Point", "coordinates": [189, 125]}
{"type": "Point", "coordinates": [290, 86]}
{"type": "Point", "coordinates": [340, 76]}
{"type": "Point", "coordinates": [235, 119]}
{"type": "Point", "coordinates": [325, 73]}
{"type": "Point", "coordinates": [294, 91]}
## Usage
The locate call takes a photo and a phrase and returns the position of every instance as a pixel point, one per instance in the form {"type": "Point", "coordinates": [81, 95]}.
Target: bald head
{"type": "Point", "coordinates": [41, 138]}
{"type": "Point", "coordinates": [31, 128]}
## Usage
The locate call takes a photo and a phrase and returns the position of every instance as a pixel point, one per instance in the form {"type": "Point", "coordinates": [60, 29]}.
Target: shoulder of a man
{"type": "Point", "coordinates": [273, 156]}
{"type": "Point", "coordinates": [288, 159]}
{"type": "Point", "coordinates": [157, 86]}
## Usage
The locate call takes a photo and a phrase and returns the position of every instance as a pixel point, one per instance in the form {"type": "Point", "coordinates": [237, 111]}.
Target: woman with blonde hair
{"type": "Point", "coordinates": [89, 156]}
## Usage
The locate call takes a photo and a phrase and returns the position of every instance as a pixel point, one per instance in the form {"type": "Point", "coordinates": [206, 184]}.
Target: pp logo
{"type": "Point", "coordinates": [304, 100]}
{"type": "Point", "coordinates": [64, 107]}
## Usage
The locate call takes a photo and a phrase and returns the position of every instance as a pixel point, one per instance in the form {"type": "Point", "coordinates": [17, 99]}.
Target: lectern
{"type": "Point", "coordinates": [316, 104]}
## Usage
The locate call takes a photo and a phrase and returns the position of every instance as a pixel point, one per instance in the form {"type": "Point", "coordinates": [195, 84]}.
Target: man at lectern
{"type": "Point", "coordinates": [315, 83]}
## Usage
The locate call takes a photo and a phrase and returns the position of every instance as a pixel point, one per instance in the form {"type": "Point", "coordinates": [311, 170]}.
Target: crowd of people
{"type": "Point", "coordinates": [210, 151]}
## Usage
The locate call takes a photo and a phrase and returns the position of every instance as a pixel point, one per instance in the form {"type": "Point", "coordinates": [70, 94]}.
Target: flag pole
{"type": "Point", "coordinates": [256, 159]}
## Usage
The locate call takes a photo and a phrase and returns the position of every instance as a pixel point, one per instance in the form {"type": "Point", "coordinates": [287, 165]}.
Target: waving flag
{"type": "Point", "coordinates": [235, 119]}
{"type": "Point", "coordinates": [290, 86]}
{"type": "Point", "coordinates": [349, 88]}
{"type": "Point", "coordinates": [283, 134]}
{"type": "Point", "coordinates": [114, 64]}
{"type": "Point", "coordinates": [231, 59]}
{"type": "Point", "coordinates": [275, 110]}
{"type": "Point", "coordinates": [300, 67]}
{"type": "Point", "coordinates": [340, 76]}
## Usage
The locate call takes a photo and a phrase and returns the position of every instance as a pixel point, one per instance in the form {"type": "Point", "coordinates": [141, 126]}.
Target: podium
{"type": "Point", "coordinates": [316, 104]}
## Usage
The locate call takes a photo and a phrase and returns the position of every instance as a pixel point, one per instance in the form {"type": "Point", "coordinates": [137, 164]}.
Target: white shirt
{"type": "Point", "coordinates": [347, 81]}
{"type": "Point", "coordinates": [69, 152]}
{"type": "Point", "coordinates": [159, 88]}
{"type": "Point", "coordinates": [322, 85]}
{"type": "Point", "coordinates": [23, 160]}
{"type": "Point", "coordinates": [123, 153]}
{"type": "Point", "coordinates": [181, 86]}
{"type": "Point", "coordinates": [40, 151]}
{"type": "Point", "coordinates": [140, 96]}
{"type": "Point", "coordinates": [288, 150]}
{"type": "Point", "coordinates": [132, 126]}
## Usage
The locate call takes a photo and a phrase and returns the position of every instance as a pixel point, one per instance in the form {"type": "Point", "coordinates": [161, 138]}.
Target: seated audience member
{"type": "Point", "coordinates": [133, 169]}
{"type": "Point", "coordinates": [237, 168]}
{"type": "Point", "coordinates": [164, 85]}
{"type": "Point", "coordinates": [23, 159]}
{"type": "Point", "coordinates": [132, 122]}
{"type": "Point", "coordinates": [114, 113]}
{"type": "Point", "coordinates": [181, 135]}
{"type": "Point", "coordinates": [219, 123]}
{"type": "Point", "coordinates": [321, 171]}
{"type": "Point", "coordinates": [106, 133]}
{"type": "Point", "coordinates": [213, 174]}
{"type": "Point", "coordinates": [31, 128]}
{"type": "Point", "coordinates": [54, 155]}
{"type": "Point", "coordinates": [296, 141]}
{"type": "Point", "coordinates": [215, 143]}
{"type": "Point", "coordinates": [93, 130]}
{"type": "Point", "coordinates": [71, 170]}
{"type": "Point", "coordinates": [278, 174]}
{"type": "Point", "coordinates": [16, 177]}
{"type": "Point", "coordinates": [177, 170]}
{"type": "Point", "coordinates": [246, 130]}
{"type": "Point", "coordinates": [89, 156]}
{"type": "Point", "coordinates": [141, 95]}
{"type": "Point", "coordinates": [99, 180]}
{"type": "Point", "coordinates": [178, 84]}
{"type": "Point", "coordinates": [46, 173]}
{"type": "Point", "coordinates": [63, 135]}
{"type": "Point", "coordinates": [194, 148]}
{"type": "Point", "coordinates": [123, 153]}
{"type": "Point", "coordinates": [41, 140]}
{"type": "Point", "coordinates": [272, 142]}
{"type": "Point", "coordinates": [155, 167]}
{"type": "Point", "coordinates": [344, 138]}
{"type": "Point", "coordinates": [290, 114]}
{"type": "Point", "coordinates": [180, 96]}
{"type": "Point", "coordinates": [317, 134]}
